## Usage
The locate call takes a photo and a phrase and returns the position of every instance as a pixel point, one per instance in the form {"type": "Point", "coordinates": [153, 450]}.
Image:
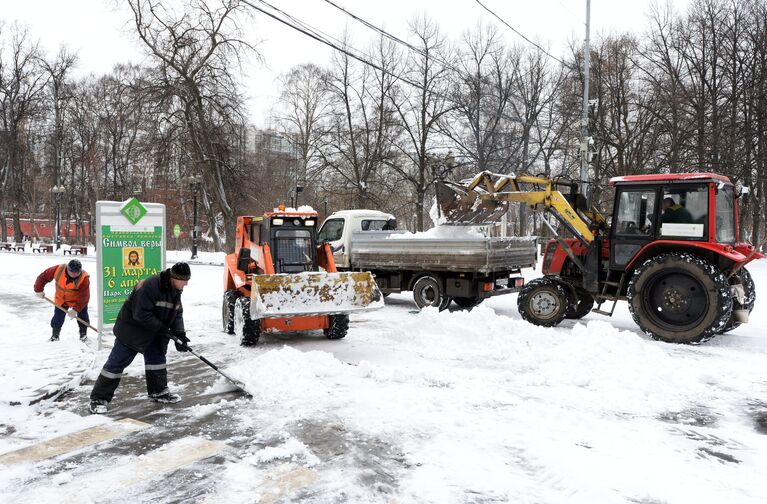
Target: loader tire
{"type": "Point", "coordinates": [680, 298]}
{"type": "Point", "coordinates": [339, 326]}
{"type": "Point", "coordinates": [248, 329]}
{"type": "Point", "coordinates": [227, 310]}
{"type": "Point", "coordinates": [750, 290]}
{"type": "Point", "coordinates": [581, 308]}
{"type": "Point", "coordinates": [467, 302]}
{"type": "Point", "coordinates": [427, 291]}
{"type": "Point", "coordinates": [543, 302]}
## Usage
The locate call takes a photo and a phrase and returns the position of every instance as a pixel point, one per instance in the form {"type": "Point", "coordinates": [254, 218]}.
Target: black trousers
{"type": "Point", "coordinates": [155, 367]}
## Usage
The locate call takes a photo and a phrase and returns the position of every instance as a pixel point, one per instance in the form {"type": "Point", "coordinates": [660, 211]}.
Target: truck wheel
{"type": "Point", "coordinates": [543, 302]}
{"type": "Point", "coordinates": [581, 308]}
{"type": "Point", "coordinates": [339, 326]}
{"type": "Point", "coordinates": [427, 291]}
{"type": "Point", "coordinates": [227, 310]}
{"type": "Point", "coordinates": [247, 328]}
{"type": "Point", "coordinates": [750, 289]}
{"type": "Point", "coordinates": [680, 298]}
{"type": "Point", "coordinates": [467, 302]}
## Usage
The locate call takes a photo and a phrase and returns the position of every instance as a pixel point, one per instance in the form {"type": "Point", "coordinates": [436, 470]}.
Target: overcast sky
{"type": "Point", "coordinates": [100, 30]}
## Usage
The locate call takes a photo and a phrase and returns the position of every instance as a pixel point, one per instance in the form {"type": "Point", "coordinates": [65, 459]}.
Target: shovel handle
{"type": "Point", "coordinates": [66, 311]}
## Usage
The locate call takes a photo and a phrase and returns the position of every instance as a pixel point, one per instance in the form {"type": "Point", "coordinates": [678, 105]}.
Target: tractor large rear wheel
{"type": "Point", "coordinates": [680, 298]}
{"type": "Point", "coordinates": [750, 291]}
{"type": "Point", "coordinates": [245, 327]}
{"type": "Point", "coordinates": [543, 302]}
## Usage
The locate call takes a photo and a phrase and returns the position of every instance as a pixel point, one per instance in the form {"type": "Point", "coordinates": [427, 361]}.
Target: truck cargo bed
{"type": "Point", "coordinates": [379, 251]}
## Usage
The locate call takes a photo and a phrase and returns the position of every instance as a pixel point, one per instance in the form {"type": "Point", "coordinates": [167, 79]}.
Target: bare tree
{"type": "Point", "coordinates": [359, 144]}
{"type": "Point", "coordinates": [195, 52]}
{"type": "Point", "coordinates": [22, 81]}
{"type": "Point", "coordinates": [304, 113]}
{"type": "Point", "coordinates": [420, 110]}
{"type": "Point", "coordinates": [481, 125]}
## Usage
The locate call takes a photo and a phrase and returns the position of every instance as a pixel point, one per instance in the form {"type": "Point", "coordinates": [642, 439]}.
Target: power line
{"type": "Point", "coordinates": [499, 18]}
{"type": "Point", "coordinates": [319, 36]}
{"type": "Point", "coordinates": [413, 48]}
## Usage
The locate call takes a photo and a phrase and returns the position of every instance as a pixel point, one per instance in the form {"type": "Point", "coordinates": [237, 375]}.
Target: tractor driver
{"type": "Point", "coordinates": [674, 212]}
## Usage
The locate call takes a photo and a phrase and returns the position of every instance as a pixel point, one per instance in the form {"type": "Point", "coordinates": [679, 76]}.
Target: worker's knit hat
{"type": "Point", "coordinates": [181, 271]}
{"type": "Point", "coordinates": [74, 266]}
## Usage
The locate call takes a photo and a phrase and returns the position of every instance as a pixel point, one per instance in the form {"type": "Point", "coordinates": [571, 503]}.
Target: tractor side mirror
{"type": "Point", "coordinates": [740, 189]}
{"type": "Point", "coordinates": [243, 259]}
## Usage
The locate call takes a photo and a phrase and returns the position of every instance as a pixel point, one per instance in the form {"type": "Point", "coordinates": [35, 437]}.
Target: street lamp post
{"type": "Point", "coordinates": [57, 192]}
{"type": "Point", "coordinates": [194, 183]}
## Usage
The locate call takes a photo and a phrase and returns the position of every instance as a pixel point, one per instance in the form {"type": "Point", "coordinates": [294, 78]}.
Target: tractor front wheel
{"type": "Point", "coordinates": [543, 302]}
{"type": "Point", "coordinates": [680, 298]}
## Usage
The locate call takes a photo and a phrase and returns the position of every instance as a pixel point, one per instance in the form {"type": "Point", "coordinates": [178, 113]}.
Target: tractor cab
{"type": "Point", "coordinates": [679, 210]}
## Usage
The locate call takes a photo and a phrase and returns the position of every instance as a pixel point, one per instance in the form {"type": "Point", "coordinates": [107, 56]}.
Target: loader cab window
{"type": "Point", "coordinates": [635, 212]}
{"type": "Point", "coordinates": [331, 231]}
{"type": "Point", "coordinates": [293, 250]}
{"type": "Point", "coordinates": [684, 212]}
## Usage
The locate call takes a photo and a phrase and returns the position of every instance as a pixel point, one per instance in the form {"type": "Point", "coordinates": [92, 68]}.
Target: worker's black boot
{"type": "Point", "coordinates": [83, 335]}
{"type": "Point", "coordinates": [55, 333]}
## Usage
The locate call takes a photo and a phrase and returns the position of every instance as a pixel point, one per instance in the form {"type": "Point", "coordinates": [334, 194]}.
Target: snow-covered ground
{"type": "Point", "coordinates": [423, 406]}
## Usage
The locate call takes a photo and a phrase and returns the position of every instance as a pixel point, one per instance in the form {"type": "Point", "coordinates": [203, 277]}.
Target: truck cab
{"type": "Point", "coordinates": [338, 228]}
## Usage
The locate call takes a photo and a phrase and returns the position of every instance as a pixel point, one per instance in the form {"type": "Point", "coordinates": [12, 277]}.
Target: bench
{"type": "Point", "coordinates": [42, 247]}
{"type": "Point", "coordinates": [11, 246]}
{"type": "Point", "coordinates": [76, 250]}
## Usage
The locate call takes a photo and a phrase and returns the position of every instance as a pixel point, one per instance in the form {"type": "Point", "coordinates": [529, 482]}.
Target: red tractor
{"type": "Point", "coordinates": [280, 279]}
{"type": "Point", "coordinates": [672, 251]}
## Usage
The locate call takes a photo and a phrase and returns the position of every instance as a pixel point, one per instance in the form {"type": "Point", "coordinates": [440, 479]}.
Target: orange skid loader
{"type": "Point", "coordinates": [280, 279]}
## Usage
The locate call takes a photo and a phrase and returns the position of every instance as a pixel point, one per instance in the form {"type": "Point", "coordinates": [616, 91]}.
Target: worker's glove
{"type": "Point", "coordinates": [40, 294]}
{"type": "Point", "coordinates": [180, 342]}
{"type": "Point", "coordinates": [71, 313]}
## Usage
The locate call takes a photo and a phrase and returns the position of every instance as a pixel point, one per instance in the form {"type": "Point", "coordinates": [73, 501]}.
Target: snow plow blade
{"type": "Point", "coordinates": [313, 293]}
{"type": "Point", "coordinates": [463, 207]}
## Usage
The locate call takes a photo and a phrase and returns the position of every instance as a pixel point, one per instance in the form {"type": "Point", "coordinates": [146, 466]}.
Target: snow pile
{"type": "Point", "coordinates": [34, 367]}
{"type": "Point", "coordinates": [494, 406]}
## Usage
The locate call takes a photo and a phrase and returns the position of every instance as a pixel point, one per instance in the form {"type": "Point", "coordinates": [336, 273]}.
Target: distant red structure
{"type": "Point", "coordinates": [45, 227]}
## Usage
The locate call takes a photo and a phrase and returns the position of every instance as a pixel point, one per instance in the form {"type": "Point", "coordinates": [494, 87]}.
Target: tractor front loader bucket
{"type": "Point", "coordinates": [313, 293]}
{"type": "Point", "coordinates": [463, 207]}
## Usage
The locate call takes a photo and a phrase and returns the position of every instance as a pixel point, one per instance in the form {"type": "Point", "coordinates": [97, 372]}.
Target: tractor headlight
{"type": "Point", "coordinates": [276, 222]}
{"type": "Point", "coordinates": [309, 223]}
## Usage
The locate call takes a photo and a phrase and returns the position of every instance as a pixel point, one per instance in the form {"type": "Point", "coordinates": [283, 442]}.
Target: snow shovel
{"type": "Point", "coordinates": [66, 311]}
{"type": "Point", "coordinates": [313, 293]}
{"type": "Point", "coordinates": [234, 382]}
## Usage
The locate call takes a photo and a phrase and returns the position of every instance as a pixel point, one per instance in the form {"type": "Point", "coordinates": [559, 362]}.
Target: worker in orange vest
{"type": "Point", "coordinates": [73, 291]}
